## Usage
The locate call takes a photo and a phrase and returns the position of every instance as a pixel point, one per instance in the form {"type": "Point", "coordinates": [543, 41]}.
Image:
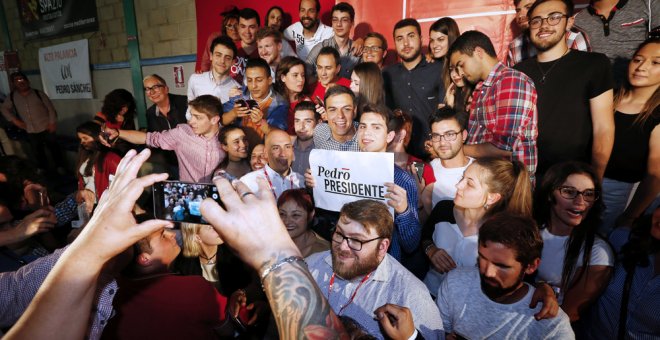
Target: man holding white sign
{"type": "Point", "coordinates": [373, 135]}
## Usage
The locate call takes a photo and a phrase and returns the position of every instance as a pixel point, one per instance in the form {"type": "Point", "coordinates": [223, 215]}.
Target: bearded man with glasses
{"type": "Point", "coordinates": [575, 96]}
{"type": "Point", "coordinates": [357, 275]}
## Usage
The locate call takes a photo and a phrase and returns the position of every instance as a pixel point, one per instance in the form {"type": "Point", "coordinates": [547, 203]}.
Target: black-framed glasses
{"type": "Point", "coordinates": [353, 243]}
{"type": "Point", "coordinates": [448, 136]}
{"type": "Point", "coordinates": [570, 193]}
{"type": "Point", "coordinates": [154, 88]}
{"type": "Point", "coordinates": [552, 19]}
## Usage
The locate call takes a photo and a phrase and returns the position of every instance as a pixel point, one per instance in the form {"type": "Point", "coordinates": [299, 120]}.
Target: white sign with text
{"type": "Point", "coordinates": [65, 70]}
{"type": "Point", "coordinates": [341, 176]}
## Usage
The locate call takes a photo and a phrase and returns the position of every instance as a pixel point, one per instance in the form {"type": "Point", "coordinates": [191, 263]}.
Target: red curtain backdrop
{"type": "Point", "coordinates": [493, 17]}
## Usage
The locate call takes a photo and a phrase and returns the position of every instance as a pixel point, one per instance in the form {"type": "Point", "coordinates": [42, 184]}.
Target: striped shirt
{"type": "Point", "coordinates": [407, 230]}
{"type": "Point", "coordinates": [503, 113]}
{"type": "Point", "coordinates": [198, 156]}
{"type": "Point", "coordinates": [17, 289]}
{"type": "Point", "coordinates": [643, 321]}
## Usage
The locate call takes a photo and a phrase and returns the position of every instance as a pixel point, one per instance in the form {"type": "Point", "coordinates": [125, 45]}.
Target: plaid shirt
{"type": "Point", "coordinates": [503, 113]}
{"type": "Point", "coordinates": [521, 48]}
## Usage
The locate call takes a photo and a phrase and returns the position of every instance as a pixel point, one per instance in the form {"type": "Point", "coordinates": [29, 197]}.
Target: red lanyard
{"type": "Point", "coordinates": [271, 183]}
{"type": "Point", "coordinates": [332, 282]}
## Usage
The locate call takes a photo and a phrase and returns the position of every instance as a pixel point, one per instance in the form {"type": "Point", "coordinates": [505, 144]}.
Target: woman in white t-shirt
{"type": "Point", "coordinates": [568, 209]}
{"type": "Point", "coordinates": [488, 186]}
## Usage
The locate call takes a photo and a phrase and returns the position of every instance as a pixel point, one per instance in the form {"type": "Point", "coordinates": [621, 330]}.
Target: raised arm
{"type": "Point", "coordinates": [61, 309]}
{"type": "Point", "coordinates": [299, 307]}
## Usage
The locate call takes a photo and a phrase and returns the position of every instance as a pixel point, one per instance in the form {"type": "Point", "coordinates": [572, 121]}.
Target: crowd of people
{"type": "Point", "coordinates": [523, 202]}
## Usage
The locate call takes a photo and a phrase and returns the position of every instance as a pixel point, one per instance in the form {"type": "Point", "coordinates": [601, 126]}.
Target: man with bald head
{"type": "Point", "coordinates": [277, 172]}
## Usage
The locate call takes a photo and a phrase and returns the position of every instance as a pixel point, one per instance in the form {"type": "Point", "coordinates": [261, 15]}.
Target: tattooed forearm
{"type": "Point", "coordinates": [301, 311]}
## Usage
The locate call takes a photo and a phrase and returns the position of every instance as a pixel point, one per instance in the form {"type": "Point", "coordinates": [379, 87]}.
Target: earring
{"type": "Point", "coordinates": [486, 206]}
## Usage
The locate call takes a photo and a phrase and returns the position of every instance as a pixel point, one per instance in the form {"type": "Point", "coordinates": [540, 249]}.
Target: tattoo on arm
{"type": "Point", "coordinates": [300, 309]}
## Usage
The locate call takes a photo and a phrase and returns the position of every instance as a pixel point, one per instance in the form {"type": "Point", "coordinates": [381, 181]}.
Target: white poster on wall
{"type": "Point", "coordinates": [341, 177]}
{"type": "Point", "coordinates": [65, 70]}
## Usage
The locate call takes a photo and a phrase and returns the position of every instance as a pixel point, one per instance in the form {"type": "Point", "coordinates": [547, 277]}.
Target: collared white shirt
{"type": "Point", "coordinates": [205, 83]}
{"type": "Point", "coordinates": [389, 283]}
{"type": "Point", "coordinates": [278, 183]}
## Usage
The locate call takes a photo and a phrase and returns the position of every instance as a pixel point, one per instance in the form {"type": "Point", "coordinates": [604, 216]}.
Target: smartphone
{"type": "Point", "coordinates": [419, 169]}
{"type": "Point", "coordinates": [180, 201]}
{"type": "Point", "coordinates": [319, 101]}
{"type": "Point", "coordinates": [252, 103]}
{"type": "Point", "coordinates": [242, 103]}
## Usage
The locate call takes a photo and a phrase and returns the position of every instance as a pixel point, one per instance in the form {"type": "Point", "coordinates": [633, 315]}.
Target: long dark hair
{"type": "Point", "coordinates": [651, 106]}
{"type": "Point", "coordinates": [115, 101]}
{"type": "Point", "coordinates": [96, 156]}
{"type": "Point", "coordinates": [584, 234]}
{"type": "Point", "coordinates": [222, 137]}
{"type": "Point", "coordinates": [286, 64]}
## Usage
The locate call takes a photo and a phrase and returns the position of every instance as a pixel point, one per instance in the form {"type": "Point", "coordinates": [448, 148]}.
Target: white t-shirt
{"type": "Point", "coordinates": [446, 179]}
{"type": "Point", "coordinates": [462, 249]}
{"type": "Point", "coordinates": [304, 45]}
{"type": "Point", "coordinates": [468, 312]}
{"type": "Point", "coordinates": [554, 252]}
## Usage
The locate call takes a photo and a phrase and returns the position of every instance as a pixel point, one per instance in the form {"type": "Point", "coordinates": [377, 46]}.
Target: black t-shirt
{"type": "Point", "coordinates": [629, 158]}
{"type": "Point", "coordinates": [564, 116]}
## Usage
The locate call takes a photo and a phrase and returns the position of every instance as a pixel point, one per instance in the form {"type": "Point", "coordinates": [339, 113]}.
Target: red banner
{"type": "Point", "coordinates": [493, 17]}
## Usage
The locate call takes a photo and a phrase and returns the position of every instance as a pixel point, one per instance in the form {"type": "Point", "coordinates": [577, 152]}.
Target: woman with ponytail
{"type": "Point", "coordinates": [575, 260]}
{"type": "Point", "coordinates": [488, 186]}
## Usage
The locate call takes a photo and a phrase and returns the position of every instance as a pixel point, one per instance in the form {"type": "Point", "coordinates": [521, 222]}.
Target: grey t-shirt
{"type": "Point", "coordinates": [468, 312]}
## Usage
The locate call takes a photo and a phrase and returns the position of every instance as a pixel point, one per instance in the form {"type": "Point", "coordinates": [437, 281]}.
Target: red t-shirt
{"type": "Point", "coordinates": [166, 307]}
{"type": "Point", "coordinates": [428, 175]}
{"type": "Point", "coordinates": [319, 90]}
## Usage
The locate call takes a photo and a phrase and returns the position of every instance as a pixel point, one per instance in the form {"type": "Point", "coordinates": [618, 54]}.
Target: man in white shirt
{"type": "Point", "coordinates": [357, 276]}
{"type": "Point", "coordinates": [277, 172]}
{"type": "Point", "coordinates": [309, 31]}
{"type": "Point", "coordinates": [447, 137]}
{"type": "Point", "coordinates": [492, 301]}
{"type": "Point", "coordinates": [217, 81]}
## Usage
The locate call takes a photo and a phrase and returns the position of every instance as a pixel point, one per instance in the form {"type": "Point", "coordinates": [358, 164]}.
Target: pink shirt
{"type": "Point", "coordinates": [197, 156]}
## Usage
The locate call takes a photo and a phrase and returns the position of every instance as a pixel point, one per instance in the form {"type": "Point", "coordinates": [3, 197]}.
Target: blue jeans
{"type": "Point", "coordinates": [615, 197]}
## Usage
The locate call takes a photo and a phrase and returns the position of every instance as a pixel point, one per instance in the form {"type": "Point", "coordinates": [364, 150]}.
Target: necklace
{"type": "Point", "coordinates": [544, 74]}
{"type": "Point", "coordinates": [209, 260]}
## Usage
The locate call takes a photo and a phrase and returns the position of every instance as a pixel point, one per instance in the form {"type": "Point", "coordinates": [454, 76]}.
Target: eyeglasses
{"type": "Point", "coordinates": [231, 27]}
{"type": "Point", "coordinates": [155, 88]}
{"type": "Point", "coordinates": [552, 19]}
{"type": "Point", "coordinates": [368, 49]}
{"type": "Point", "coordinates": [568, 192]}
{"type": "Point", "coordinates": [448, 136]}
{"type": "Point", "coordinates": [354, 244]}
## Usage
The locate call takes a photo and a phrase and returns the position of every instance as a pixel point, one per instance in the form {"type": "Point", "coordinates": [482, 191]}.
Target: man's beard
{"type": "Point", "coordinates": [494, 292]}
{"type": "Point", "coordinates": [546, 45]}
{"type": "Point", "coordinates": [413, 57]}
{"type": "Point", "coordinates": [311, 25]}
{"type": "Point", "coordinates": [349, 272]}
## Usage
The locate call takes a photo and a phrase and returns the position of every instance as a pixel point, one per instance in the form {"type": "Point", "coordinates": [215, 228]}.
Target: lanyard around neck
{"type": "Point", "coordinates": [332, 282]}
{"type": "Point", "coordinates": [271, 183]}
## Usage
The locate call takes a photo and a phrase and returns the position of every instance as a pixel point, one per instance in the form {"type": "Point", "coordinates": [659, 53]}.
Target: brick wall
{"type": "Point", "coordinates": [165, 28]}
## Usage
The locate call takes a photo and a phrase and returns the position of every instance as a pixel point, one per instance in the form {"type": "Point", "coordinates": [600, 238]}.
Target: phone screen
{"type": "Point", "coordinates": [180, 201]}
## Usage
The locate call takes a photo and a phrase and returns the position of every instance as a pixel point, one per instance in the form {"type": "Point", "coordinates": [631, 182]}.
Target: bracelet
{"type": "Point", "coordinates": [279, 264]}
{"type": "Point", "coordinates": [426, 249]}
